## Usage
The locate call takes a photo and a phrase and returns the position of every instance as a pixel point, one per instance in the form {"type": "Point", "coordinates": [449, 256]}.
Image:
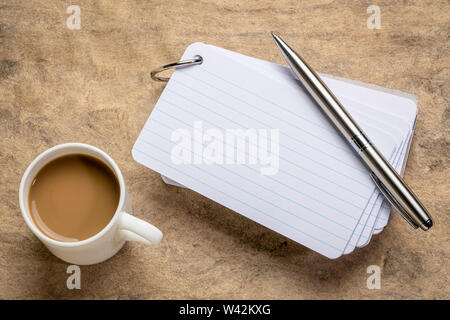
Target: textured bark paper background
{"type": "Point", "coordinates": [93, 85]}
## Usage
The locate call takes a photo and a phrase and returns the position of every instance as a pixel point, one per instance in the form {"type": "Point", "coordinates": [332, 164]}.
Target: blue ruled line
{"type": "Point", "coordinates": [267, 125]}
{"type": "Point", "coordinates": [293, 163]}
{"type": "Point", "coordinates": [227, 195]}
{"type": "Point", "coordinates": [271, 102]}
{"type": "Point", "coordinates": [261, 186]}
{"type": "Point", "coordinates": [281, 170]}
{"type": "Point", "coordinates": [264, 200]}
{"type": "Point", "coordinates": [271, 191]}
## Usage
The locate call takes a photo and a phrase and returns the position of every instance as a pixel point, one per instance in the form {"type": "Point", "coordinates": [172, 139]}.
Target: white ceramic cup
{"type": "Point", "coordinates": [102, 246]}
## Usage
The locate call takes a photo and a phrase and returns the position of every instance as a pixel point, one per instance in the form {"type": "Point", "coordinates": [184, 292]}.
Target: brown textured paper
{"type": "Point", "coordinates": [93, 85]}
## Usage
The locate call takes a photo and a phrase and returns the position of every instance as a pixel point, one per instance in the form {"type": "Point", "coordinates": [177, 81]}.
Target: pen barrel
{"type": "Point", "coordinates": [396, 191]}
{"type": "Point", "coordinates": [386, 178]}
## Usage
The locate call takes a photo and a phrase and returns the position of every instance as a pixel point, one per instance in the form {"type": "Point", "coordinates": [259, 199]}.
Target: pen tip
{"type": "Point", "coordinates": [278, 41]}
{"type": "Point", "coordinates": [427, 225]}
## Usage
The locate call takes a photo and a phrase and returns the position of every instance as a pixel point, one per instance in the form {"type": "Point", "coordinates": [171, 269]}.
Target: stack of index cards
{"type": "Point", "coordinates": [244, 133]}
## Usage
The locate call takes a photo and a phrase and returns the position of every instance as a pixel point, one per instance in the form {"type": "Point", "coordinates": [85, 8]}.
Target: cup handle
{"type": "Point", "coordinates": [135, 229]}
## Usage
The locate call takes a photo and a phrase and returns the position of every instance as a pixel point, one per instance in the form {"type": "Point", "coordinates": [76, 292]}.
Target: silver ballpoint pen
{"type": "Point", "coordinates": [384, 176]}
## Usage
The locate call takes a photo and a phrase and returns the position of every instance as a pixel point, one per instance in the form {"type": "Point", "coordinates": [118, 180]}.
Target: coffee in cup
{"type": "Point", "coordinates": [73, 197]}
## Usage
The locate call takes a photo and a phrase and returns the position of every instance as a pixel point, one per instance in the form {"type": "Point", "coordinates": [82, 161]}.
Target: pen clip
{"type": "Point", "coordinates": [397, 206]}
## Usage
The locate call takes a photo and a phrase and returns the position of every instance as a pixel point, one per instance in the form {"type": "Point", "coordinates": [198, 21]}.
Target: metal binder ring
{"type": "Point", "coordinates": [174, 65]}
